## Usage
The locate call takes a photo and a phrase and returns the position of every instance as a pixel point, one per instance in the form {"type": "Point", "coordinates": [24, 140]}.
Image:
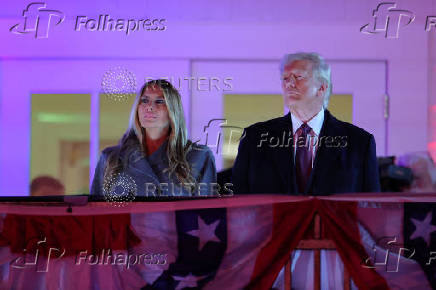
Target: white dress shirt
{"type": "Point", "coordinates": [315, 123]}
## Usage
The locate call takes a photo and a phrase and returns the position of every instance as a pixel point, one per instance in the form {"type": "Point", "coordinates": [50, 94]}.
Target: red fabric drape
{"type": "Point", "coordinates": [72, 233]}
{"type": "Point", "coordinates": [291, 221]}
{"type": "Point", "coordinates": [340, 221]}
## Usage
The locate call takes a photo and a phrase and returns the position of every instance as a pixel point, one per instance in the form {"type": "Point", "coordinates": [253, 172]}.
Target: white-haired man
{"type": "Point", "coordinates": [308, 151]}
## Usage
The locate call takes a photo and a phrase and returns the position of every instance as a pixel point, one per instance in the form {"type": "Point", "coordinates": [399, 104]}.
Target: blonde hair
{"type": "Point", "coordinates": [178, 143]}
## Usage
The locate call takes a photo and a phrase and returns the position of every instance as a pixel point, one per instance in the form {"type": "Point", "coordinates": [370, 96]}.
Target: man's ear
{"type": "Point", "coordinates": [322, 88]}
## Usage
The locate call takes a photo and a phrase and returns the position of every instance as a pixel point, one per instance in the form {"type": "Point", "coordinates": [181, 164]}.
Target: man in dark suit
{"type": "Point", "coordinates": [308, 151]}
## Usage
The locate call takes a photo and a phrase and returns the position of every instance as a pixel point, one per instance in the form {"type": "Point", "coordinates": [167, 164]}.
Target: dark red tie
{"type": "Point", "coordinates": [303, 156]}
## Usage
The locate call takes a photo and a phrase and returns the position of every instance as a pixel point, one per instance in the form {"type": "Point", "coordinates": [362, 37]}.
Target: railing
{"type": "Point", "coordinates": [76, 224]}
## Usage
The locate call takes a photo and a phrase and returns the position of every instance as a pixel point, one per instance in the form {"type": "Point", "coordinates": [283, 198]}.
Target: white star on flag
{"type": "Point", "coordinates": [205, 232]}
{"type": "Point", "coordinates": [423, 228]}
{"type": "Point", "coordinates": [187, 281]}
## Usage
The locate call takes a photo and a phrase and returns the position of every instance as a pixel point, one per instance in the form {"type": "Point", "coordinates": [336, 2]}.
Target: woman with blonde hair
{"type": "Point", "coordinates": [154, 157]}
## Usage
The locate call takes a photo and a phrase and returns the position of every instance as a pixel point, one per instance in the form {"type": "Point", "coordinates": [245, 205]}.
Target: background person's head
{"type": "Point", "coordinates": [46, 186]}
{"type": "Point", "coordinates": [306, 81]}
{"type": "Point", "coordinates": [423, 168]}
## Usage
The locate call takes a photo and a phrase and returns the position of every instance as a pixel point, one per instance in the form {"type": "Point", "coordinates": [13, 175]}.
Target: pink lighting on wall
{"type": "Point", "coordinates": [432, 134]}
{"type": "Point", "coordinates": [432, 149]}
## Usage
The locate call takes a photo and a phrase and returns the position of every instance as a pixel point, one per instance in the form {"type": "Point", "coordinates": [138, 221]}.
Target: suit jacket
{"type": "Point", "coordinates": [345, 160]}
{"type": "Point", "coordinates": [147, 176]}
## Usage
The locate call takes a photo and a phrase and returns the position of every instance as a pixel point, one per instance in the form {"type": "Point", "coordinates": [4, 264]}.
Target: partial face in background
{"type": "Point", "coordinates": [47, 190]}
{"type": "Point", "coordinates": [300, 86]}
{"type": "Point", "coordinates": [152, 109]}
{"type": "Point", "coordinates": [422, 181]}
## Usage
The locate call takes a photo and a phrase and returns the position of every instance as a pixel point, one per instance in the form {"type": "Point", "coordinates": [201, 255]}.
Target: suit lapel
{"type": "Point", "coordinates": [283, 155]}
{"type": "Point", "coordinates": [326, 157]}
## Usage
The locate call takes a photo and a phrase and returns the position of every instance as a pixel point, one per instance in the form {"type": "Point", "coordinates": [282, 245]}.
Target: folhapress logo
{"type": "Point", "coordinates": [37, 19]}
{"type": "Point", "coordinates": [388, 19]}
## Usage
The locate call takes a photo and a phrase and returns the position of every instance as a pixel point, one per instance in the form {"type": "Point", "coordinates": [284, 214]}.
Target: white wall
{"type": "Point", "coordinates": [55, 76]}
{"type": "Point", "coordinates": [432, 91]}
{"type": "Point", "coordinates": [246, 30]}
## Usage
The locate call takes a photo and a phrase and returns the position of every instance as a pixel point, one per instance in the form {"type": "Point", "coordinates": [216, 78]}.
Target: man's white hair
{"type": "Point", "coordinates": [321, 69]}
